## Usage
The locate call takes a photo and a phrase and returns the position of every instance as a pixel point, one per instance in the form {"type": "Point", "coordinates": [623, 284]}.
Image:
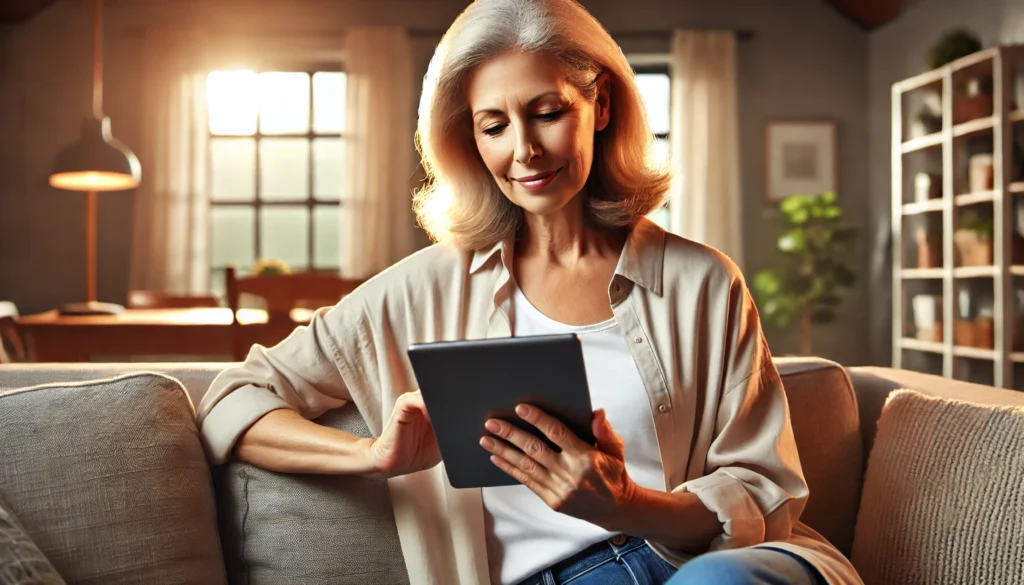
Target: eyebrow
{"type": "Point", "coordinates": [530, 103]}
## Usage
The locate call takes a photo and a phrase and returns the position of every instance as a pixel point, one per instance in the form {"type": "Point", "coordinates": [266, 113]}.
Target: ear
{"type": "Point", "coordinates": [603, 104]}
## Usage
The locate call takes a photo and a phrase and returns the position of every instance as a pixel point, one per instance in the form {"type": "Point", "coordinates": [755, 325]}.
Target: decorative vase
{"type": "Point", "coordinates": [973, 249]}
{"type": "Point", "coordinates": [984, 332]}
{"type": "Point", "coordinates": [927, 187]}
{"type": "Point", "coordinates": [981, 177]}
{"type": "Point", "coordinates": [963, 333]}
{"type": "Point", "coordinates": [929, 253]}
{"type": "Point", "coordinates": [927, 313]}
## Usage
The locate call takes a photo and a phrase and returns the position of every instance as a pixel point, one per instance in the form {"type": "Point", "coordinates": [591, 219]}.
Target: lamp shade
{"type": "Point", "coordinates": [96, 162]}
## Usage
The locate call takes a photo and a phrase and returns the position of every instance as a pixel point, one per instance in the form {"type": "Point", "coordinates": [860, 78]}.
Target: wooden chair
{"type": "Point", "coordinates": [280, 294]}
{"type": "Point", "coordinates": [153, 299]}
{"type": "Point", "coordinates": [12, 348]}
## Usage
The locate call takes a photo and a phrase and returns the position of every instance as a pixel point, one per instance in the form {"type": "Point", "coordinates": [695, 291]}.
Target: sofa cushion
{"type": "Point", "coordinates": [111, 481]}
{"type": "Point", "coordinates": [942, 494]}
{"type": "Point", "coordinates": [21, 561]}
{"type": "Point", "coordinates": [310, 529]}
{"type": "Point", "coordinates": [824, 413]}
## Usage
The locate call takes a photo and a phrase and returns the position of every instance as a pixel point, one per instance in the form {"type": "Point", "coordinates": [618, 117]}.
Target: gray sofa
{"type": "Point", "coordinates": [103, 466]}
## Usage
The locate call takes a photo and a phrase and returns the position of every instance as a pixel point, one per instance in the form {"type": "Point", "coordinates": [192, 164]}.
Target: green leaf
{"type": "Point", "coordinates": [767, 283]}
{"type": "Point", "coordinates": [828, 198]}
{"type": "Point", "coordinates": [791, 241]}
{"type": "Point", "coordinates": [793, 204]}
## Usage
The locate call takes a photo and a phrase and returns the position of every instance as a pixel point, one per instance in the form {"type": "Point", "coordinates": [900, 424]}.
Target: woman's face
{"type": "Point", "coordinates": [534, 130]}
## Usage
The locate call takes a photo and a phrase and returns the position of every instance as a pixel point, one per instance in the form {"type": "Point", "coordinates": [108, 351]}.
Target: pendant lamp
{"type": "Point", "coordinates": [95, 162]}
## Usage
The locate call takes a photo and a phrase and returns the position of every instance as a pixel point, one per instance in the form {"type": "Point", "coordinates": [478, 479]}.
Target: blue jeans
{"type": "Point", "coordinates": [629, 561]}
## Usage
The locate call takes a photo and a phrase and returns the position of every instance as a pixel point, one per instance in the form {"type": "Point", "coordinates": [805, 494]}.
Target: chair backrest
{"type": "Point", "coordinates": [12, 348]}
{"type": "Point", "coordinates": [280, 295]}
{"type": "Point", "coordinates": [154, 299]}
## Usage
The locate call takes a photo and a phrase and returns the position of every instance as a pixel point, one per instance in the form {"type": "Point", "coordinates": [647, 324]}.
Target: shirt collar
{"type": "Point", "coordinates": [641, 260]}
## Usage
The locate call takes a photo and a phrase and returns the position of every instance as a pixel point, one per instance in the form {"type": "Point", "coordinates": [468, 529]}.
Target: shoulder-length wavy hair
{"type": "Point", "coordinates": [461, 203]}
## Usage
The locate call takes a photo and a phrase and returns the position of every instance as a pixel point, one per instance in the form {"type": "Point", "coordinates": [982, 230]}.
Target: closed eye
{"type": "Point", "coordinates": [495, 130]}
{"type": "Point", "coordinates": [550, 115]}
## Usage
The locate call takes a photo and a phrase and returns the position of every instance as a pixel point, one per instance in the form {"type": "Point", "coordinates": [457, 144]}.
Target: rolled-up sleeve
{"type": "Point", "coordinates": [305, 373]}
{"type": "Point", "coordinates": [752, 476]}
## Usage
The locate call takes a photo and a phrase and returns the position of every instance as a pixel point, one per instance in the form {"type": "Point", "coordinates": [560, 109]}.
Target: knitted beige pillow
{"type": "Point", "coordinates": [943, 497]}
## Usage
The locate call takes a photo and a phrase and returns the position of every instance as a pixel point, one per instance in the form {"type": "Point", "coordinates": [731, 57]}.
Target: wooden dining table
{"type": "Point", "coordinates": [195, 332]}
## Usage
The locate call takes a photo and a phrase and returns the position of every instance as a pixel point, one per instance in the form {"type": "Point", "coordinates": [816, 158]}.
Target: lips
{"type": "Point", "coordinates": [537, 181]}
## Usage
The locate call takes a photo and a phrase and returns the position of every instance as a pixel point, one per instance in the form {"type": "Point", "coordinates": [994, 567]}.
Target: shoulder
{"type": "Point", "coordinates": [692, 262]}
{"type": "Point", "coordinates": [421, 270]}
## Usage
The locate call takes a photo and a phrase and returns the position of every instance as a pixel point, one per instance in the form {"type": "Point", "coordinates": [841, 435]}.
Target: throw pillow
{"type": "Point", "coordinates": [21, 561]}
{"type": "Point", "coordinates": [943, 493]}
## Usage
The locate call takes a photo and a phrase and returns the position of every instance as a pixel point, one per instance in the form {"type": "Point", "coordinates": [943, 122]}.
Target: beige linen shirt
{"type": "Point", "coordinates": [719, 409]}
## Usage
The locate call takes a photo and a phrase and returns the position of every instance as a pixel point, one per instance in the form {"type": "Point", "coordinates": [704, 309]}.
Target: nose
{"type": "Point", "coordinates": [526, 148]}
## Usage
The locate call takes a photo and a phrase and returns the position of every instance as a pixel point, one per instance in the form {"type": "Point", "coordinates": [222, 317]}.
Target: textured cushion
{"type": "Point", "coordinates": [21, 561]}
{"type": "Point", "coordinates": [824, 413]}
{"type": "Point", "coordinates": [111, 481]}
{"type": "Point", "coordinates": [943, 494]}
{"type": "Point", "coordinates": [310, 529]}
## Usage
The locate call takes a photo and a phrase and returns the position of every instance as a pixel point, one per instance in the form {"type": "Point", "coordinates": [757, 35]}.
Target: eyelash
{"type": "Point", "coordinates": [547, 117]}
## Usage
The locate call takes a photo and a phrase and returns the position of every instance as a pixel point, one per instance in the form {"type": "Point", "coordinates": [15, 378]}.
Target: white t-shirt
{"type": "Point", "coordinates": [527, 535]}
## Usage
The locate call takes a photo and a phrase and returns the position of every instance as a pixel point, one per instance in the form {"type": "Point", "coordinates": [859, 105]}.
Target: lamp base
{"type": "Point", "coordinates": [91, 308]}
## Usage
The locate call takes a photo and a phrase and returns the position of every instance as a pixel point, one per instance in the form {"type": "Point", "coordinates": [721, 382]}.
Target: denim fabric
{"type": "Point", "coordinates": [749, 566]}
{"type": "Point", "coordinates": [629, 561]}
{"type": "Point", "coordinates": [616, 561]}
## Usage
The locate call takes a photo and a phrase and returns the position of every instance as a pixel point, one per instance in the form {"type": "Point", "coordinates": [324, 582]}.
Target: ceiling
{"type": "Point", "coordinates": [869, 14]}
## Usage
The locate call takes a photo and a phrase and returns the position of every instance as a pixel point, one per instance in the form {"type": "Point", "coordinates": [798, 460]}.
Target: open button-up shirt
{"type": "Point", "coordinates": [719, 408]}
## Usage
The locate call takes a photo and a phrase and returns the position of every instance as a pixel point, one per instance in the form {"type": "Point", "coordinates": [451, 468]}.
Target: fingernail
{"type": "Point", "coordinates": [492, 426]}
{"type": "Point", "coordinates": [523, 410]}
{"type": "Point", "coordinates": [486, 442]}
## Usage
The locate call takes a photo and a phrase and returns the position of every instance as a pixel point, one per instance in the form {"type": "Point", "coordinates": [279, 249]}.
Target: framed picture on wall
{"type": "Point", "coordinates": [800, 157]}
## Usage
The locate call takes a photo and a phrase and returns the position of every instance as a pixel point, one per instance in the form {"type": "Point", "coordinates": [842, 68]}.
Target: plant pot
{"type": "Point", "coordinates": [929, 249]}
{"type": "Point", "coordinates": [984, 332]}
{"type": "Point", "coordinates": [927, 314]}
{"type": "Point", "coordinates": [963, 333]}
{"type": "Point", "coordinates": [966, 109]}
{"type": "Point", "coordinates": [927, 187]}
{"type": "Point", "coordinates": [972, 248]}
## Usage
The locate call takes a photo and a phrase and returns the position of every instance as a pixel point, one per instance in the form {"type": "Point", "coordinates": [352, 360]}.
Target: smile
{"type": "Point", "coordinates": [539, 181]}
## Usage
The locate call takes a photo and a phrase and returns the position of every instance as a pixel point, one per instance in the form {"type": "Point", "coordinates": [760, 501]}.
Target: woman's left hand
{"type": "Point", "coordinates": [582, 481]}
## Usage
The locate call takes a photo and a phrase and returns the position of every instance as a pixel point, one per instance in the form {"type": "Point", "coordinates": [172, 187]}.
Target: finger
{"type": "Point", "coordinates": [529, 445]}
{"type": "Point", "coordinates": [607, 439]}
{"type": "Point", "coordinates": [553, 429]}
{"type": "Point", "coordinates": [526, 479]}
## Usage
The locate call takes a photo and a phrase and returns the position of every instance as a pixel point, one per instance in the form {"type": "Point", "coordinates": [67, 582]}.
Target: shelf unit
{"type": "Point", "coordinates": [944, 150]}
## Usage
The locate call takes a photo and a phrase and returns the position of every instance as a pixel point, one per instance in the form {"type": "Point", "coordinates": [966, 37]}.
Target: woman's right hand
{"type": "Point", "coordinates": [407, 444]}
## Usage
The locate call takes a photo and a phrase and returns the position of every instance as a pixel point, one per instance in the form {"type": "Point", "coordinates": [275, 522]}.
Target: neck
{"type": "Point", "coordinates": [564, 237]}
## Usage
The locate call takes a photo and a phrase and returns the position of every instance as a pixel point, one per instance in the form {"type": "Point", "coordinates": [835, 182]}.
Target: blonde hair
{"type": "Point", "coordinates": [461, 203]}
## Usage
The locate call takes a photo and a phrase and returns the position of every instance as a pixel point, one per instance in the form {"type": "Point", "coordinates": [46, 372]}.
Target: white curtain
{"type": "Point", "coordinates": [704, 141]}
{"type": "Point", "coordinates": [170, 247]}
{"type": "Point", "coordinates": [377, 227]}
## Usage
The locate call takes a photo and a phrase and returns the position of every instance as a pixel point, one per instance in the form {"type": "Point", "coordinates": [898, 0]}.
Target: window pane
{"type": "Point", "coordinates": [284, 235]}
{"type": "Point", "coordinates": [284, 103]}
{"type": "Point", "coordinates": [327, 234]}
{"type": "Point", "coordinates": [329, 102]}
{"type": "Point", "coordinates": [234, 236]}
{"type": "Point", "coordinates": [234, 169]}
{"type": "Point", "coordinates": [654, 88]}
{"type": "Point", "coordinates": [660, 153]}
{"type": "Point", "coordinates": [284, 169]}
{"type": "Point", "coordinates": [232, 102]}
{"type": "Point", "coordinates": [328, 157]}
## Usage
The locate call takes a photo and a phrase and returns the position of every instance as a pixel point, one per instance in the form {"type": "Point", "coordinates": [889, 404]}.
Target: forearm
{"type": "Point", "coordinates": [285, 442]}
{"type": "Point", "coordinates": [678, 520]}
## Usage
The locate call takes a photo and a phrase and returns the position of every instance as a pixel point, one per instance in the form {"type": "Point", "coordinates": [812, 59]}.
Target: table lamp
{"type": "Point", "coordinates": [95, 162]}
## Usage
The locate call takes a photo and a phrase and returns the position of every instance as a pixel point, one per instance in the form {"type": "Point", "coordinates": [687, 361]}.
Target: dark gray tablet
{"type": "Point", "coordinates": [466, 382]}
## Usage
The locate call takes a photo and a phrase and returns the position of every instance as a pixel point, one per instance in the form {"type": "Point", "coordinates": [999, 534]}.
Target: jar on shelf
{"type": "Point", "coordinates": [929, 248]}
{"type": "Point", "coordinates": [927, 315]}
{"type": "Point", "coordinates": [927, 187]}
{"type": "Point", "coordinates": [980, 172]}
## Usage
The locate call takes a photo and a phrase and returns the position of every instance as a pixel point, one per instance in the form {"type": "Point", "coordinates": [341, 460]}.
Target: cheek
{"type": "Point", "coordinates": [495, 155]}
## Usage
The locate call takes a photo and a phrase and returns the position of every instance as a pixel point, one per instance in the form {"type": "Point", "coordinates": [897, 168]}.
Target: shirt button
{"type": "Point", "coordinates": [663, 408]}
{"type": "Point", "coordinates": [616, 287]}
{"type": "Point", "coordinates": [638, 339]}
{"type": "Point", "coordinates": [619, 539]}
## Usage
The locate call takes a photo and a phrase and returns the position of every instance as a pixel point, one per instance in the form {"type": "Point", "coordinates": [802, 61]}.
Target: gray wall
{"type": "Point", "coordinates": [897, 51]}
{"type": "Point", "coordinates": [804, 61]}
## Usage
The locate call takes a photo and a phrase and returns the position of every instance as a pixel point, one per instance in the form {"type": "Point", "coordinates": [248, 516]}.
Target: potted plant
{"type": "Point", "coordinates": [807, 285]}
{"type": "Point", "coordinates": [926, 122]}
{"type": "Point", "coordinates": [973, 98]}
{"type": "Point", "coordinates": [270, 267]}
{"type": "Point", "coordinates": [973, 240]}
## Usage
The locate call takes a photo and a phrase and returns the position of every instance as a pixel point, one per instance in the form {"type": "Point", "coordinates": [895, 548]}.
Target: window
{"type": "Point", "coordinates": [653, 82]}
{"type": "Point", "coordinates": [276, 151]}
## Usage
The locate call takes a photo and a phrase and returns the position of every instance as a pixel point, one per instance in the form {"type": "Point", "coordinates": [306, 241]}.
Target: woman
{"type": "Point", "coordinates": [536, 144]}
